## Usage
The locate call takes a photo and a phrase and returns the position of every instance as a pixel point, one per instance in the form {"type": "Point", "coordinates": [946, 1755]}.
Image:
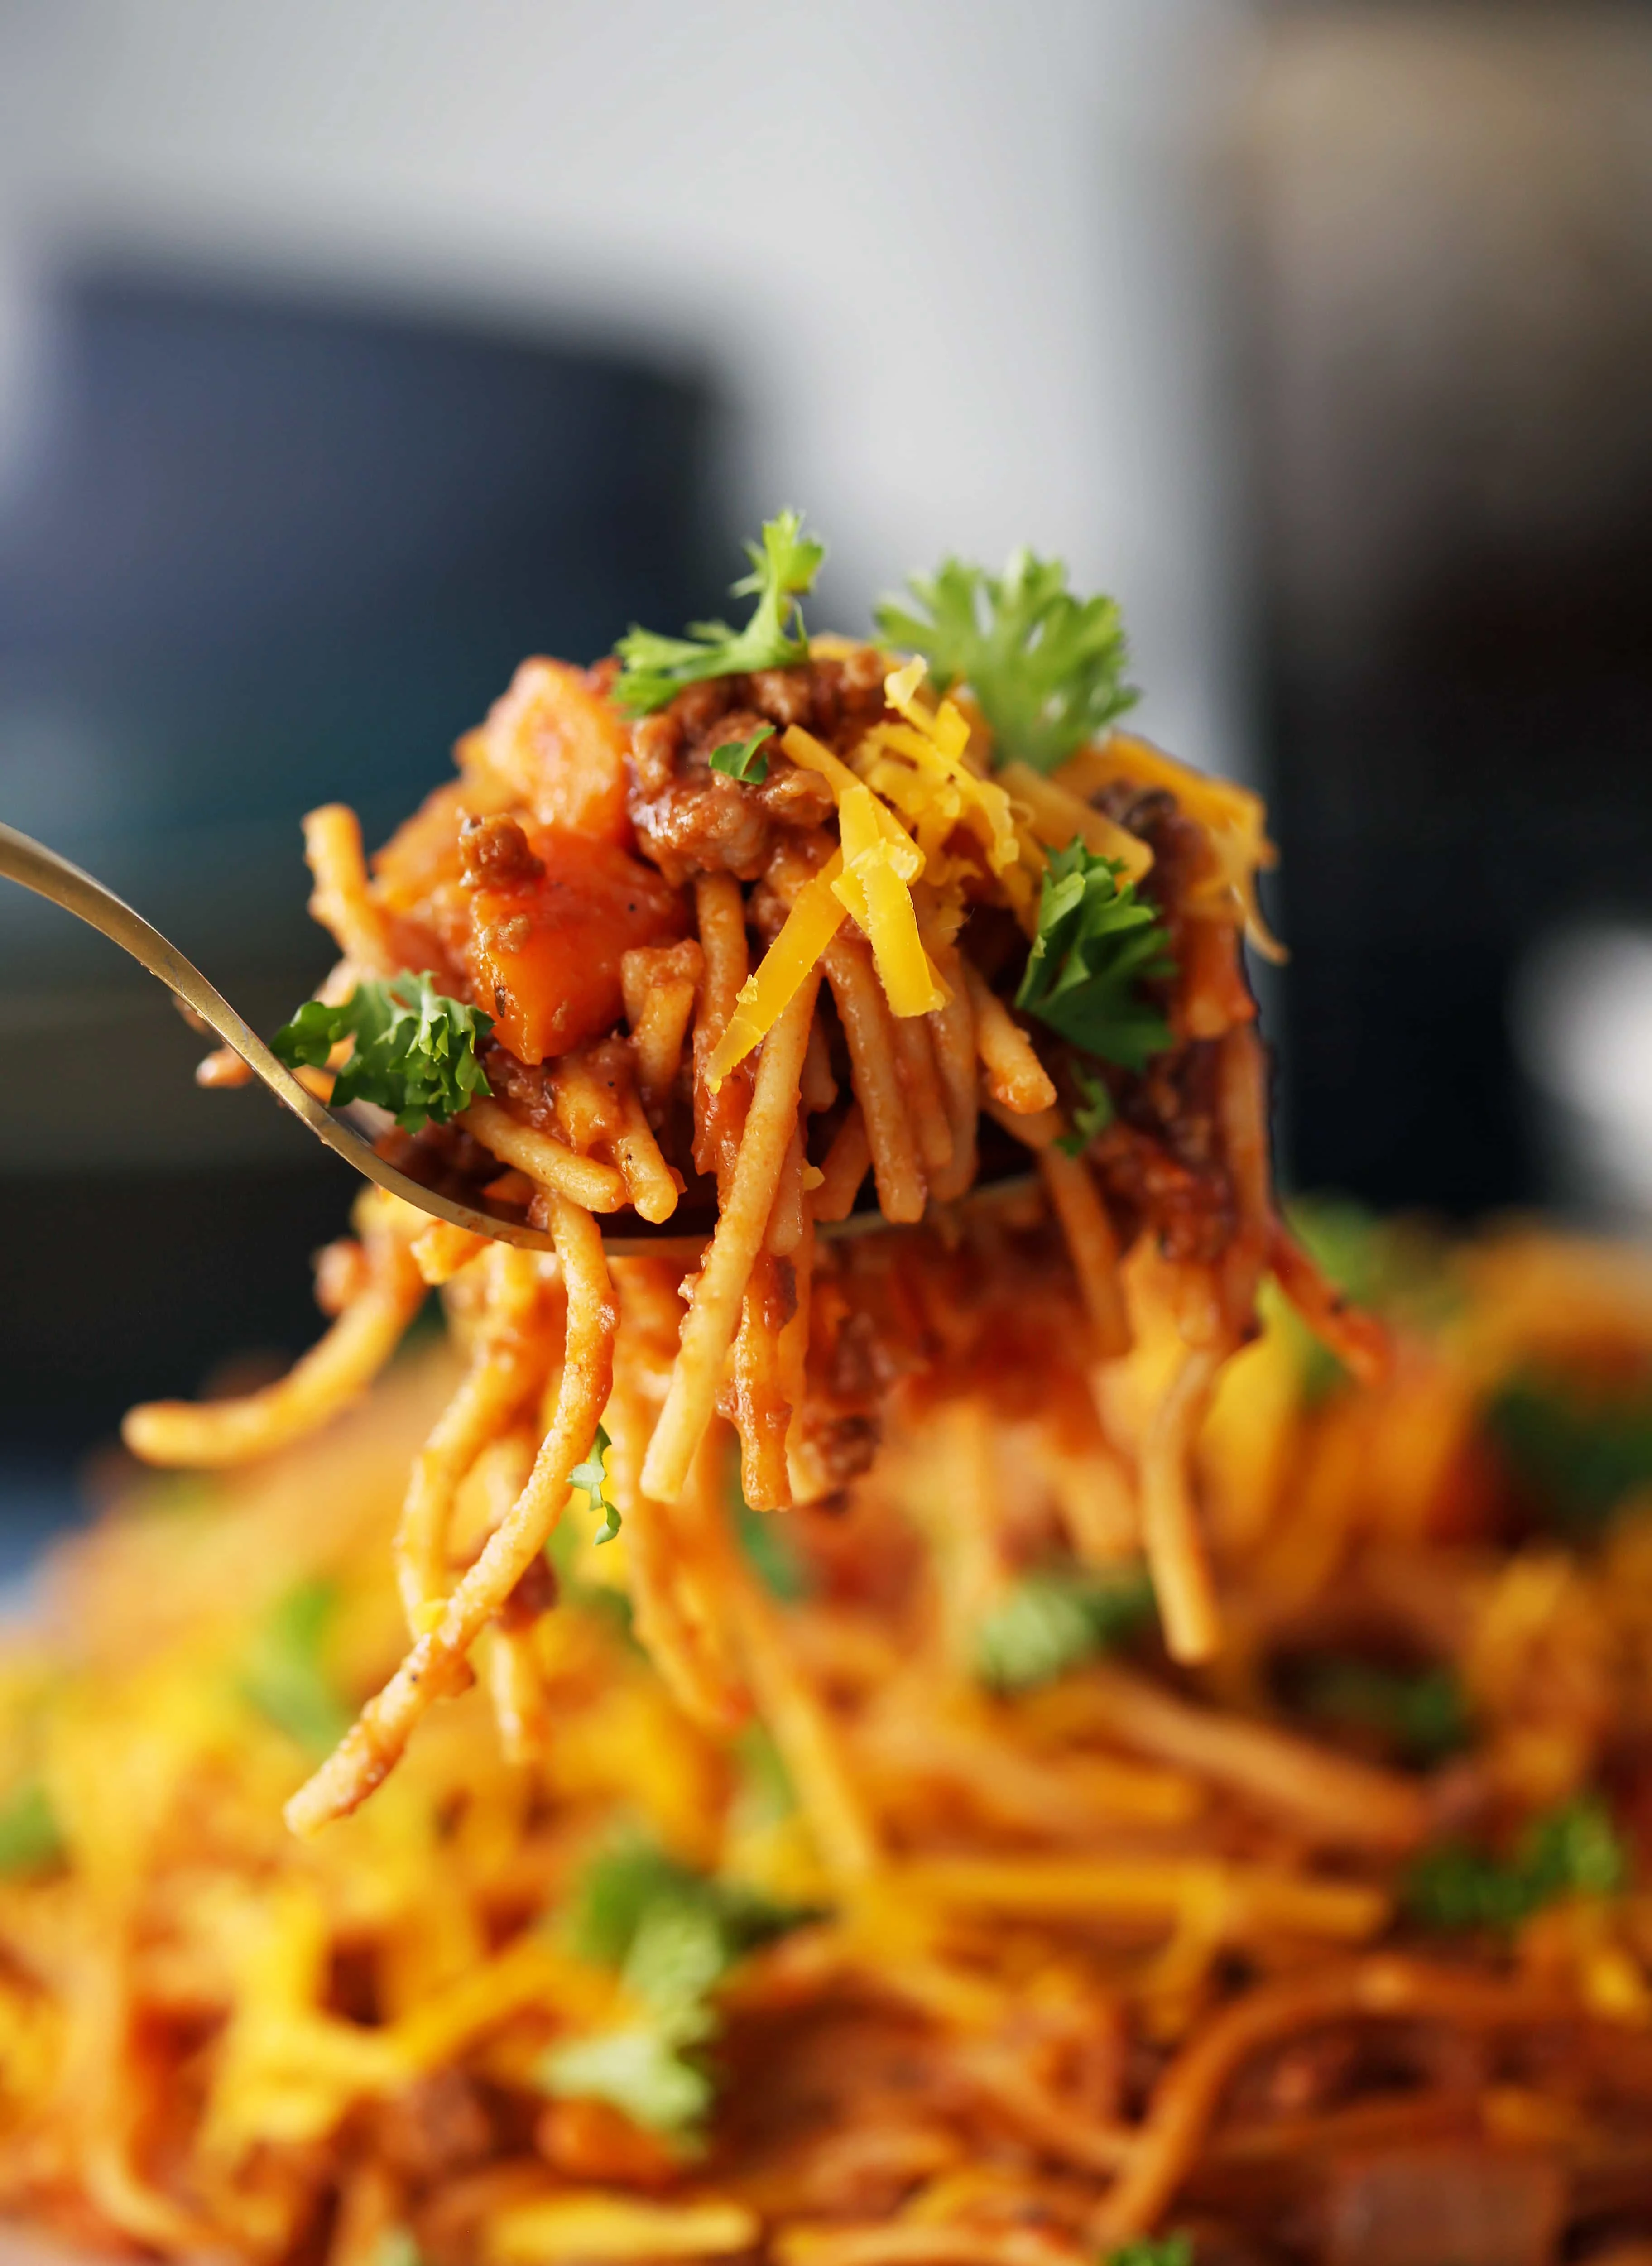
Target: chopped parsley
{"type": "Point", "coordinates": [284, 1674]}
{"type": "Point", "coordinates": [784, 565]}
{"type": "Point", "coordinates": [1421, 1714]}
{"type": "Point", "coordinates": [1044, 666]}
{"type": "Point", "coordinates": [1057, 1616]}
{"type": "Point", "coordinates": [769, 1545]}
{"type": "Point", "coordinates": [1153, 2250]}
{"type": "Point", "coordinates": [1091, 1116]}
{"type": "Point", "coordinates": [576, 1589]}
{"type": "Point", "coordinates": [30, 1840]}
{"type": "Point", "coordinates": [1577, 1459]}
{"type": "Point", "coordinates": [1096, 943]}
{"type": "Point", "coordinates": [415, 1051]}
{"type": "Point", "coordinates": [766, 1794]}
{"type": "Point", "coordinates": [593, 1477]}
{"type": "Point", "coordinates": [1571, 1850]}
{"type": "Point", "coordinates": [673, 1935]}
{"type": "Point", "coordinates": [739, 759]}
{"type": "Point", "coordinates": [649, 2070]}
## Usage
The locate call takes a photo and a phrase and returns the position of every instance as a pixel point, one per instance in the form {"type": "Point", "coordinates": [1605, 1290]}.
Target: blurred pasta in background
{"type": "Point", "coordinates": [997, 1940]}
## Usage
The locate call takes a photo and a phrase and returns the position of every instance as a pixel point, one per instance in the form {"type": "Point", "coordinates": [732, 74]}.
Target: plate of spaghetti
{"type": "Point", "coordinates": [916, 1676]}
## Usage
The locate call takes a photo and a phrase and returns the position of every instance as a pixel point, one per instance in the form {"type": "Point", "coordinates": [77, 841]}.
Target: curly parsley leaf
{"type": "Point", "coordinates": [1575, 1851]}
{"type": "Point", "coordinates": [1097, 942]}
{"type": "Point", "coordinates": [1056, 1618]}
{"type": "Point", "coordinates": [1572, 1851]}
{"type": "Point", "coordinates": [738, 759]}
{"type": "Point", "coordinates": [284, 1674]}
{"type": "Point", "coordinates": [1043, 665]}
{"type": "Point", "coordinates": [1091, 1116]}
{"type": "Point", "coordinates": [1153, 2250]}
{"type": "Point", "coordinates": [414, 1050]}
{"type": "Point", "coordinates": [646, 2070]}
{"type": "Point", "coordinates": [769, 1548]}
{"type": "Point", "coordinates": [1577, 1458]}
{"type": "Point", "coordinates": [624, 1890]}
{"type": "Point", "coordinates": [674, 1935]}
{"type": "Point", "coordinates": [1423, 1715]}
{"type": "Point", "coordinates": [30, 1838]}
{"type": "Point", "coordinates": [765, 1793]}
{"type": "Point", "coordinates": [784, 565]}
{"type": "Point", "coordinates": [593, 1477]}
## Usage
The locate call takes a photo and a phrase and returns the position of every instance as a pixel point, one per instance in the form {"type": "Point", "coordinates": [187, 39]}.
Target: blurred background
{"type": "Point", "coordinates": [351, 349]}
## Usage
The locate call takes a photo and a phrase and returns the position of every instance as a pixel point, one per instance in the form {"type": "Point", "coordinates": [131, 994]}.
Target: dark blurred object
{"type": "Point", "coordinates": [1449, 225]}
{"type": "Point", "coordinates": [256, 552]}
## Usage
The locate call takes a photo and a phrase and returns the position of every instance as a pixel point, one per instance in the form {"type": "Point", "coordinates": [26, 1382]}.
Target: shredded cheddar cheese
{"type": "Point", "coordinates": [816, 917]}
{"type": "Point", "coordinates": [874, 887]}
{"type": "Point", "coordinates": [906, 796]}
{"type": "Point", "coordinates": [921, 766]}
{"type": "Point", "coordinates": [1055, 815]}
{"type": "Point", "coordinates": [1234, 820]}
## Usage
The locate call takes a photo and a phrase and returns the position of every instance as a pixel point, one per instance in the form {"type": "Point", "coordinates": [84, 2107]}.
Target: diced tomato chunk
{"type": "Point", "coordinates": [544, 953]}
{"type": "Point", "coordinates": [559, 747]}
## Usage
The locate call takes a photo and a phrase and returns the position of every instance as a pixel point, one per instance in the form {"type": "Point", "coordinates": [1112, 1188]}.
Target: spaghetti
{"type": "Point", "coordinates": [1002, 1938]}
{"type": "Point", "coordinates": [971, 1745]}
{"type": "Point", "coordinates": [737, 953]}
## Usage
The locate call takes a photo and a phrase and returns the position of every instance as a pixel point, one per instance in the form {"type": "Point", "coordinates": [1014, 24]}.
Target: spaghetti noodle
{"type": "Point", "coordinates": [973, 1743]}
{"type": "Point", "coordinates": [1003, 1939]}
{"type": "Point", "coordinates": [593, 883]}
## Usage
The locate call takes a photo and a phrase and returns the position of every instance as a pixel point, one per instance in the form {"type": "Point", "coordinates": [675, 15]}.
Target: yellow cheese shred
{"type": "Point", "coordinates": [807, 752]}
{"type": "Point", "coordinates": [816, 917]}
{"type": "Point", "coordinates": [1055, 814]}
{"type": "Point", "coordinates": [922, 766]}
{"type": "Point", "coordinates": [874, 887]}
{"type": "Point", "coordinates": [1233, 818]}
{"type": "Point", "coordinates": [919, 769]}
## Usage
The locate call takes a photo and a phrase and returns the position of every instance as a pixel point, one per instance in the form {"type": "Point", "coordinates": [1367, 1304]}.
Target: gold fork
{"type": "Point", "coordinates": [38, 868]}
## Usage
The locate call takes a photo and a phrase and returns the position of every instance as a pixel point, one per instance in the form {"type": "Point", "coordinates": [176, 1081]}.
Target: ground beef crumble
{"type": "Point", "coordinates": [494, 853]}
{"type": "Point", "coordinates": [690, 819]}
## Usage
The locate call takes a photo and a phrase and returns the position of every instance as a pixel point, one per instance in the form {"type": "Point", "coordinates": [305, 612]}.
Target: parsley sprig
{"type": "Point", "coordinates": [673, 1935]}
{"type": "Point", "coordinates": [1091, 1114]}
{"type": "Point", "coordinates": [1153, 2250]}
{"type": "Point", "coordinates": [1422, 1714]}
{"type": "Point", "coordinates": [285, 1674]}
{"type": "Point", "coordinates": [739, 759]}
{"type": "Point", "coordinates": [1576, 1457]}
{"type": "Point", "coordinates": [1057, 1616]}
{"type": "Point", "coordinates": [415, 1053]}
{"type": "Point", "coordinates": [1097, 942]}
{"type": "Point", "coordinates": [31, 1839]}
{"type": "Point", "coordinates": [592, 1476]}
{"type": "Point", "coordinates": [784, 565]}
{"type": "Point", "coordinates": [1571, 1850]}
{"type": "Point", "coordinates": [1044, 666]}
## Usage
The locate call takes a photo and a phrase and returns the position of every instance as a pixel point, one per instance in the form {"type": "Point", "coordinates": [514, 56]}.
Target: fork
{"type": "Point", "coordinates": [31, 863]}
{"type": "Point", "coordinates": [42, 870]}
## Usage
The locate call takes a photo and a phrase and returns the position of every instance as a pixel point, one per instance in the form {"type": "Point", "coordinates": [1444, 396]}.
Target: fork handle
{"type": "Point", "coordinates": [31, 863]}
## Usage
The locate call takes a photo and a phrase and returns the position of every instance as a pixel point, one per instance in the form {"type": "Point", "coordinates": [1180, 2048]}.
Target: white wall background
{"type": "Point", "coordinates": [953, 257]}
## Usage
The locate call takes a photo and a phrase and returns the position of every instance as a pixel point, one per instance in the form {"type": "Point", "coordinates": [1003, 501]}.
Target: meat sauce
{"type": "Point", "coordinates": [575, 833]}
